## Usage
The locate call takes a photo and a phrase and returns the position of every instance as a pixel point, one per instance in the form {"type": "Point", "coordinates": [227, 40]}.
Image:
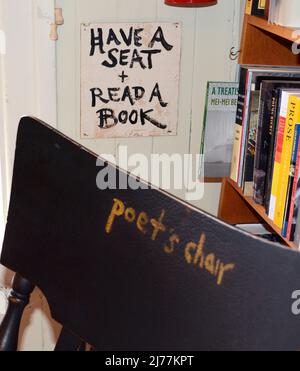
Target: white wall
{"type": "Point", "coordinates": [28, 83]}
{"type": "Point", "coordinates": [208, 35]}
{"type": "Point", "coordinates": [27, 87]}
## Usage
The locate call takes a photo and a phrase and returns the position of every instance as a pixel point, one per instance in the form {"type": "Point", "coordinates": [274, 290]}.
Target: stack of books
{"type": "Point", "coordinates": [266, 152]}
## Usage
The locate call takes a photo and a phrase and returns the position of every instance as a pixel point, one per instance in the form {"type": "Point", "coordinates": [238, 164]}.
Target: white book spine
{"type": "Point", "coordinates": [289, 13]}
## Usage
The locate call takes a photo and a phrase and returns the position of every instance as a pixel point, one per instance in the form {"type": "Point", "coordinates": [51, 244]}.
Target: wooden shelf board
{"type": "Point", "coordinates": [261, 23]}
{"type": "Point", "coordinates": [260, 210]}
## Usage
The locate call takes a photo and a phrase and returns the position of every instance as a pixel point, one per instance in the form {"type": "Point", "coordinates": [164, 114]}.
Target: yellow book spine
{"type": "Point", "coordinates": [248, 7]}
{"type": "Point", "coordinates": [262, 4]}
{"type": "Point", "coordinates": [275, 181]}
{"type": "Point", "coordinates": [293, 117]}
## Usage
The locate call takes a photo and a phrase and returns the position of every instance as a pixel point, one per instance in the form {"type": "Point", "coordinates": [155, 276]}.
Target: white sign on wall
{"type": "Point", "coordinates": [129, 79]}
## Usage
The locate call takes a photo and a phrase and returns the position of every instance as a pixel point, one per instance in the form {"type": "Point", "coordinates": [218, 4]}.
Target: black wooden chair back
{"type": "Point", "coordinates": [136, 270]}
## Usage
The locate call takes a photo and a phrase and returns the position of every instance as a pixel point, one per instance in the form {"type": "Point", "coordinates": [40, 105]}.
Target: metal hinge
{"type": "Point", "coordinates": [58, 21]}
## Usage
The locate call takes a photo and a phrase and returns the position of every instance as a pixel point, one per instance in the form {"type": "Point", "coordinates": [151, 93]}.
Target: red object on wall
{"type": "Point", "coordinates": [191, 3]}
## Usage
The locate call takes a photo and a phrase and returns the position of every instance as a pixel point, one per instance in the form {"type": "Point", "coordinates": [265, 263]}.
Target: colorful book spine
{"type": "Point", "coordinates": [293, 117]}
{"type": "Point", "coordinates": [271, 156]}
{"type": "Point", "coordinates": [289, 198]}
{"type": "Point", "coordinates": [278, 153]}
{"type": "Point", "coordinates": [248, 7]}
{"type": "Point", "coordinates": [294, 210]}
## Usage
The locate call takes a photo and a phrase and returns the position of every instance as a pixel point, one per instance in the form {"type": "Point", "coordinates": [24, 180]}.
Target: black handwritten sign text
{"type": "Point", "coordinates": [129, 79]}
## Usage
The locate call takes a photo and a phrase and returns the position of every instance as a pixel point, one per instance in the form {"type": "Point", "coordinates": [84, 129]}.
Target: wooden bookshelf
{"type": "Point", "coordinates": [263, 24]}
{"type": "Point", "coordinates": [235, 208]}
{"type": "Point", "coordinates": [267, 44]}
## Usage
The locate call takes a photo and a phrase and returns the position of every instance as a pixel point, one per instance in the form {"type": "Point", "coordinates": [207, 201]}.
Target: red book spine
{"type": "Point", "coordinates": [280, 139]}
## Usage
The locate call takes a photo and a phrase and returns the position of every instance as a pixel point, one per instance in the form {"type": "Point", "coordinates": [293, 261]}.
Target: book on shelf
{"type": "Point", "coordinates": [257, 7]}
{"type": "Point", "coordinates": [267, 151]}
{"type": "Point", "coordinates": [217, 136]}
{"type": "Point", "coordinates": [296, 219]}
{"type": "Point", "coordinates": [264, 133]}
{"type": "Point", "coordinates": [290, 195]}
{"type": "Point", "coordinates": [251, 145]}
{"type": "Point", "coordinates": [238, 124]}
{"type": "Point", "coordinates": [250, 80]}
{"type": "Point", "coordinates": [293, 117]}
{"type": "Point", "coordinates": [285, 13]}
{"type": "Point", "coordinates": [274, 122]}
{"type": "Point", "coordinates": [267, 133]}
{"type": "Point", "coordinates": [294, 209]}
{"type": "Point", "coordinates": [247, 81]}
{"type": "Point", "coordinates": [281, 120]}
{"type": "Point", "coordinates": [279, 156]}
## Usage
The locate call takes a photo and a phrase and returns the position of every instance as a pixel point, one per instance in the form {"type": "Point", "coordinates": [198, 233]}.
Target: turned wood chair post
{"type": "Point", "coordinates": [17, 301]}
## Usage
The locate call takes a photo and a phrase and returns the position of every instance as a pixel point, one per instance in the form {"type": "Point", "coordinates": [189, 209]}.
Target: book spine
{"type": "Point", "coordinates": [271, 155]}
{"type": "Point", "coordinates": [248, 9]}
{"type": "Point", "coordinates": [288, 204]}
{"type": "Point", "coordinates": [276, 167]}
{"type": "Point", "coordinates": [293, 108]}
{"type": "Point", "coordinates": [259, 173]}
{"type": "Point", "coordinates": [245, 131]}
{"type": "Point", "coordinates": [251, 145]}
{"type": "Point", "coordinates": [293, 218]}
{"type": "Point", "coordinates": [296, 238]}
{"type": "Point", "coordinates": [238, 125]}
{"type": "Point", "coordinates": [258, 8]}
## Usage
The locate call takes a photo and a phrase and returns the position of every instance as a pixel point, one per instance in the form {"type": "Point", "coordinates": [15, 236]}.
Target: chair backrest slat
{"type": "Point", "coordinates": [139, 269]}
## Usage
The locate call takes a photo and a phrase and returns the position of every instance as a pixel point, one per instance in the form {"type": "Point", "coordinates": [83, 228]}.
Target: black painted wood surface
{"type": "Point", "coordinates": [141, 284]}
